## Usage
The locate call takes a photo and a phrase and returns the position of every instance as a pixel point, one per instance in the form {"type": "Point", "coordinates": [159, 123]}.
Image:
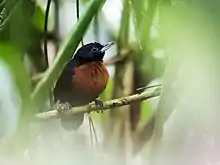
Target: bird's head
{"type": "Point", "coordinates": [93, 51]}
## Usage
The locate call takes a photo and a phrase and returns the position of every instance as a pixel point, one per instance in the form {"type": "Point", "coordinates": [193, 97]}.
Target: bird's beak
{"type": "Point", "coordinates": [106, 47]}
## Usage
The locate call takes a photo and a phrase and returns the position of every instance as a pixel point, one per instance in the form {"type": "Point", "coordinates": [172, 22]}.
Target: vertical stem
{"type": "Point", "coordinates": [119, 118]}
{"type": "Point", "coordinates": [96, 27]}
{"type": "Point", "coordinates": [77, 15]}
{"type": "Point", "coordinates": [45, 30]}
{"type": "Point", "coordinates": [56, 28]}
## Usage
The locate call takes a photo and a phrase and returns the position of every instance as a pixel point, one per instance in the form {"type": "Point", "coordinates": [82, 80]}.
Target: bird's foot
{"type": "Point", "coordinates": [99, 104]}
{"type": "Point", "coordinates": [62, 108]}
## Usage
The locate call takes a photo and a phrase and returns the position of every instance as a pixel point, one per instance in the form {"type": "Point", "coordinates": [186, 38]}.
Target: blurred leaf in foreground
{"type": "Point", "coordinates": [9, 102]}
{"type": "Point", "coordinates": [12, 58]}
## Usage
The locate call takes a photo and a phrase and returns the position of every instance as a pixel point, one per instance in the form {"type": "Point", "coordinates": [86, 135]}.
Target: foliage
{"type": "Point", "coordinates": [172, 38]}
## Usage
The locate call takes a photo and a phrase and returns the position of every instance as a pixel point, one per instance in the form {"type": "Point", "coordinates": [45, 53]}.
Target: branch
{"type": "Point", "coordinates": [149, 93]}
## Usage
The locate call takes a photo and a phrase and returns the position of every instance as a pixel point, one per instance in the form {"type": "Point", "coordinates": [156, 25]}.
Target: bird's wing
{"type": "Point", "coordinates": [64, 83]}
{"type": "Point", "coordinates": [64, 93]}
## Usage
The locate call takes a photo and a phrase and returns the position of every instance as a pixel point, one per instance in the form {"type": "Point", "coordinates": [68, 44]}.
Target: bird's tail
{"type": "Point", "coordinates": [72, 122]}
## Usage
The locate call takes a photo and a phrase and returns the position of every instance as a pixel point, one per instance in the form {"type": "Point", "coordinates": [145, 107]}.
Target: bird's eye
{"type": "Point", "coordinates": [95, 49]}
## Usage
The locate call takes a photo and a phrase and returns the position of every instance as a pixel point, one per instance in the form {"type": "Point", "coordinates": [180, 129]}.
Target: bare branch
{"type": "Point", "coordinates": [149, 93]}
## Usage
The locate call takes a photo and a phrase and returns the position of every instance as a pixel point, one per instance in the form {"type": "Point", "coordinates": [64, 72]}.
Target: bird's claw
{"type": "Point", "coordinates": [99, 104]}
{"type": "Point", "coordinates": [62, 108]}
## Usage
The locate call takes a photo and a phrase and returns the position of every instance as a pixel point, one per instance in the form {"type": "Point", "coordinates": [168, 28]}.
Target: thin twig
{"type": "Point", "coordinates": [93, 129]}
{"type": "Point", "coordinates": [45, 30]}
{"type": "Point", "coordinates": [90, 129]}
{"type": "Point", "coordinates": [77, 15]}
{"type": "Point", "coordinates": [146, 87]}
{"type": "Point", "coordinates": [45, 41]}
{"type": "Point", "coordinates": [53, 114]}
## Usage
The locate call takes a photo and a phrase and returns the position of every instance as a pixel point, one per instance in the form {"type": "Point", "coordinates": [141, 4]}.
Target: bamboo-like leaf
{"type": "Point", "coordinates": [124, 29]}
{"type": "Point", "coordinates": [143, 13]}
{"type": "Point", "coordinates": [137, 9]}
{"type": "Point", "coordinates": [12, 57]}
{"type": "Point", "coordinates": [119, 119]}
{"type": "Point", "coordinates": [6, 7]}
{"type": "Point", "coordinates": [147, 21]}
{"type": "Point", "coordinates": [65, 52]}
{"type": "Point", "coordinates": [143, 18]}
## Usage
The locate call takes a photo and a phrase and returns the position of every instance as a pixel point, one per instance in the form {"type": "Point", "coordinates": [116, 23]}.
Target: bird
{"type": "Point", "coordinates": [82, 80]}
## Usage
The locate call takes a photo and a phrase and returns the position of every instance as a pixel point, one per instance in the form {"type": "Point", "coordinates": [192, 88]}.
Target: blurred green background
{"type": "Point", "coordinates": [170, 42]}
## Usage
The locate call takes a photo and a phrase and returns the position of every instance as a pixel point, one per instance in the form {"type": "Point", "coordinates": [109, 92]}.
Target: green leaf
{"type": "Point", "coordinates": [143, 19]}
{"type": "Point", "coordinates": [38, 18]}
{"type": "Point", "coordinates": [106, 95]}
{"type": "Point", "coordinates": [146, 112]}
{"type": "Point", "coordinates": [138, 8]}
{"type": "Point", "coordinates": [16, 28]}
{"type": "Point", "coordinates": [12, 57]}
{"type": "Point", "coordinates": [124, 29]}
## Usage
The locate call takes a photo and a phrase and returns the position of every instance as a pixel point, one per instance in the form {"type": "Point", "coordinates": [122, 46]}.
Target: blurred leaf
{"type": "Point", "coordinates": [148, 15]}
{"type": "Point", "coordinates": [66, 50]}
{"type": "Point", "coordinates": [124, 29]}
{"type": "Point", "coordinates": [156, 44]}
{"type": "Point", "coordinates": [143, 20]}
{"type": "Point", "coordinates": [146, 112]}
{"type": "Point", "coordinates": [118, 128]}
{"type": "Point", "coordinates": [166, 2]}
{"type": "Point", "coordinates": [13, 59]}
{"type": "Point", "coordinates": [24, 30]}
{"type": "Point", "coordinates": [16, 29]}
{"type": "Point", "coordinates": [143, 12]}
{"type": "Point", "coordinates": [84, 1]}
{"type": "Point", "coordinates": [6, 8]}
{"type": "Point", "coordinates": [38, 18]}
{"type": "Point", "coordinates": [106, 95]}
{"type": "Point", "coordinates": [9, 103]}
{"type": "Point", "coordinates": [138, 8]}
